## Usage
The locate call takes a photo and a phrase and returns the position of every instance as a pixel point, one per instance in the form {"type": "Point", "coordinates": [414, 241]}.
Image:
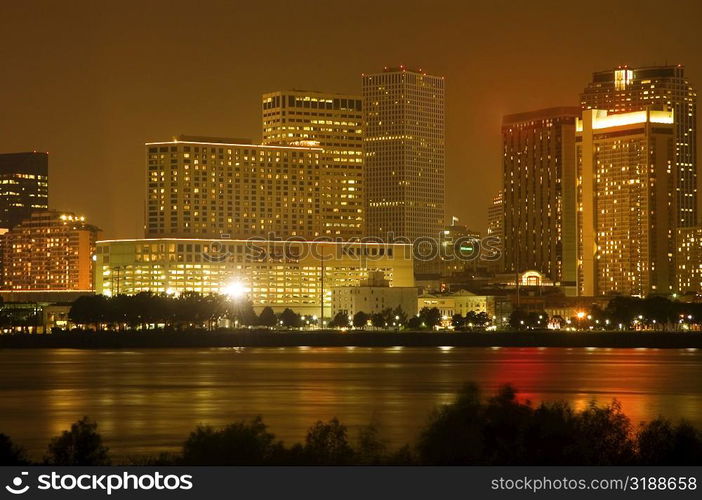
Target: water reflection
{"type": "Point", "coordinates": [147, 401]}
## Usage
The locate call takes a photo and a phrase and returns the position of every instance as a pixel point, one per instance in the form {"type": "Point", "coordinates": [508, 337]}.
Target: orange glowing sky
{"type": "Point", "coordinates": [90, 82]}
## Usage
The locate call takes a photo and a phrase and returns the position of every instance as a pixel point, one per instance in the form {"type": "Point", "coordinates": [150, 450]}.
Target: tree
{"type": "Point", "coordinates": [290, 319]}
{"type": "Point", "coordinates": [267, 317]}
{"type": "Point", "coordinates": [360, 319]}
{"type": "Point", "coordinates": [414, 323]}
{"type": "Point", "coordinates": [241, 443]}
{"type": "Point", "coordinates": [11, 454]}
{"type": "Point", "coordinates": [327, 444]}
{"type": "Point", "coordinates": [430, 317]}
{"type": "Point", "coordinates": [341, 320]}
{"type": "Point", "coordinates": [82, 445]}
{"type": "Point", "coordinates": [457, 320]}
{"type": "Point", "coordinates": [399, 316]}
{"type": "Point", "coordinates": [378, 320]}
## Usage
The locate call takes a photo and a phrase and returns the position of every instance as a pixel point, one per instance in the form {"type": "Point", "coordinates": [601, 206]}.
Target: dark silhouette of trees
{"type": "Point", "coordinates": [457, 320]}
{"type": "Point", "coordinates": [430, 317]}
{"type": "Point", "coordinates": [360, 319]}
{"type": "Point", "coordinates": [340, 320]}
{"type": "Point", "coordinates": [473, 430]}
{"type": "Point", "coordinates": [290, 319]}
{"type": "Point", "coordinates": [327, 444]}
{"type": "Point", "coordinates": [82, 445]}
{"type": "Point", "coordinates": [414, 323]}
{"type": "Point", "coordinates": [10, 454]}
{"type": "Point", "coordinates": [241, 443]}
{"type": "Point", "coordinates": [267, 317]}
{"type": "Point", "coordinates": [662, 443]}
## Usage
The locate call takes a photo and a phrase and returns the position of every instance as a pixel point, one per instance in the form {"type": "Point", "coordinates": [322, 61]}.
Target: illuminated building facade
{"type": "Point", "coordinates": [404, 145]}
{"type": "Point", "coordinates": [689, 260]}
{"type": "Point", "coordinates": [496, 229]}
{"type": "Point", "coordinates": [24, 186]}
{"type": "Point", "coordinates": [633, 89]}
{"type": "Point", "coordinates": [374, 295]}
{"type": "Point", "coordinates": [200, 187]}
{"type": "Point", "coordinates": [539, 193]}
{"type": "Point", "coordinates": [333, 122]}
{"type": "Point", "coordinates": [273, 273]}
{"type": "Point", "coordinates": [50, 250]}
{"type": "Point", "coordinates": [626, 202]}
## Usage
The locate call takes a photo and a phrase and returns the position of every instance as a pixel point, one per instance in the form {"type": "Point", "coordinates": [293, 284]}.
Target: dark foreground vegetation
{"type": "Point", "coordinates": [499, 430]}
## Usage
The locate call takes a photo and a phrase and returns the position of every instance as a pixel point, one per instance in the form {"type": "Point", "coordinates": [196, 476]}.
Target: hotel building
{"type": "Point", "coordinates": [626, 202]}
{"type": "Point", "coordinates": [202, 187]}
{"type": "Point", "coordinates": [404, 145]}
{"type": "Point", "coordinates": [50, 250]}
{"type": "Point", "coordinates": [689, 260]}
{"type": "Point", "coordinates": [334, 123]}
{"type": "Point", "coordinates": [539, 193]}
{"type": "Point", "coordinates": [627, 89]}
{"type": "Point", "coordinates": [24, 186]}
{"type": "Point", "coordinates": [273, 273]}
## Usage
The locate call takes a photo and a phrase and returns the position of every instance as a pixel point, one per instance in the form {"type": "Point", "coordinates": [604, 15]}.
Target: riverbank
{"type": "Point", "coordinates": [267, 338]}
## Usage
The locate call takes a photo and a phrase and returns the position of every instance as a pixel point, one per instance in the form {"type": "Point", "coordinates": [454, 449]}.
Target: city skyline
{"type": "Point", "coordinates": [104, 100]}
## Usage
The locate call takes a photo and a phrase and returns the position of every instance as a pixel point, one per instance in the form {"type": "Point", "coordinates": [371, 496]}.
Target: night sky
{"type": "Point", "coordinates": [90, 82]}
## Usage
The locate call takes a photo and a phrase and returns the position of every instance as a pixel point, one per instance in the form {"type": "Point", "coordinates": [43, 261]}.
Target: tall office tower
{"type": "Point", "coordinates": [539, 193]}
{"type": "Point", "coordinates": [205, 187]}
{"type": "Point", "coordinates": [334, 123]}
{"type": "Point", "coordinates": [50, 250]}
{"type": "Point", "coordinates": [496, 229]}
{"type": "Point", "coordinates": [689, 260]}
{"type": "Point", "coordinates": [633, 89]}
{"type": "Point", "coordinates": [24, 186]}
{"type": "Point", "coordinates": [626, 202]}
{"type": "Point", "coordinates": [404, 148]}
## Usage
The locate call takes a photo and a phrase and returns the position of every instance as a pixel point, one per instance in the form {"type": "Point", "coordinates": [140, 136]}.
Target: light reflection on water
{"type": "Point", "coordinates": [147, 401]}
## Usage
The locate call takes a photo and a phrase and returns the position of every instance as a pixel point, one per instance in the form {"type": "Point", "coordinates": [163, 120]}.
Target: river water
{"type": "Point", "coordinates": [147, 401]}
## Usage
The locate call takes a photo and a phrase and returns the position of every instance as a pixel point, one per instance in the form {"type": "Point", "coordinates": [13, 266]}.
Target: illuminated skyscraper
{"type": "Point", "coordinates": [539, 193]}
{"type": "Point", "coordinates": [404, 141]}
{"type": "Point", "coordinates": [24, 186]}
{"type": "Point", "coordinates": [626, 202]}
{"type": "Point", "coordinates": [633, 89]}
{"type": "Point", "coordinates": [689, 260]}
{"type": "Point", "coordinates": [204, 187]}
{"type": "Point", "coordinates": [496, 229]}
{"type": "Point", "coordinates": [334, 123]}
{"type": "Point", "coordinates": [50, 250]}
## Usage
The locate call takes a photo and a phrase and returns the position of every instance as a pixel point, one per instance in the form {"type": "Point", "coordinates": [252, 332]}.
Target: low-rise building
{"type": "Point", "coordinates": [462, 302]}
{"type": "Point", "coordinates": [374, 295]}
{"type": "Point", "coordinates": [281, 274]}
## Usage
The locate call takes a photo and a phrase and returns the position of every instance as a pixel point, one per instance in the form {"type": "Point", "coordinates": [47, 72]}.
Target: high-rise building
{"type": "Point", "coordinates": [627, 89]}
{"type": "Point", "coordinates": [203, 187]}
{"type": "Point", "coordinates": [495, 230]}
{"type": "Point", "coordinates": [689, 260]}
{"type": "Point", "coordinates": [404, 146]}
{"type": "Point", "coordinates": [279, 274]}
{"type": "Point", "coordinates": [24, 186]}
{"type": "Point", "coordinates": [334, 123]}
{"type": "Point", "coordinates": [539, 193]}
{"type": "Point", "coordinates": [626, 202]}
{"type": "Point", "coordinates": [50, 250]}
